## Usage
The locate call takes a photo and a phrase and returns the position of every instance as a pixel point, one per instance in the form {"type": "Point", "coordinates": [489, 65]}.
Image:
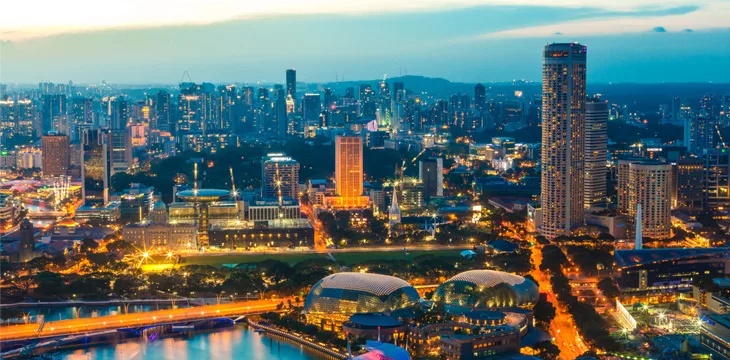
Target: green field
{"type": "Point", "coordinates": [293, 258]}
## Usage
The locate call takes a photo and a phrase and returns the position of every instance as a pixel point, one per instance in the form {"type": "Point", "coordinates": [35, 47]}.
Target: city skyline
{"type": "Point", "coordinates": [491, 42]}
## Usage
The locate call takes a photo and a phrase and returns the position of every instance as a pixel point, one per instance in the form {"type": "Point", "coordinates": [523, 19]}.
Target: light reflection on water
{"type": "Point", "coordinates": [74, 312]}
{"type": "Point", "coordinates": [238, 342]}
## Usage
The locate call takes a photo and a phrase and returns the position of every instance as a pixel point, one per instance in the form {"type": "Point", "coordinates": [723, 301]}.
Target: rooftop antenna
{"type": "Point", "coordinates": [185, 73]}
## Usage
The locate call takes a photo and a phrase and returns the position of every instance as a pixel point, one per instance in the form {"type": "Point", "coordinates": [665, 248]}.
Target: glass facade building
{"type": "Point", "coordinates": [487, 289]}
{"type": "Point", "coordinates": [334, 298]}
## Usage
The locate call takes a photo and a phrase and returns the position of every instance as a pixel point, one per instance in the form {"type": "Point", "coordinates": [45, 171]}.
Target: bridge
{"type": "Point", "coordinates": [193, 301]}
{"type": "Point", "coordinates": [150, 318]}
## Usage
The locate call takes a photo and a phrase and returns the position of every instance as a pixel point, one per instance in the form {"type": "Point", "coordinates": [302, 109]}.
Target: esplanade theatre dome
{"type": "Point", "coordinates": [487, 289]}
{"type": "Point", "coordinates": [350, 293]}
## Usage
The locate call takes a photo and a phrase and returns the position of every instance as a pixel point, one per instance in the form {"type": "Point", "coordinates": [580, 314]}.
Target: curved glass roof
{"type": "Point", "coordinates": [488, 278]}
{"type": "Point", "coordinates": [376, 284]}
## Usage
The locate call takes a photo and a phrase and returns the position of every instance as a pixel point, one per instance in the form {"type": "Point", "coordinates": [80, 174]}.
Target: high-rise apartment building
{"type": "Point", "coordinates": [431, 175]}
{"type": "Point", "coordinates": [563, 128]}
{"type": "Point", "coordinates": [56, 151]}
{"type": "Point", "coordinates": [279, 173]}
{"type": "Point", "coordinates": [95, 169]}
{"type": "Point", "coordinates": [349, 172]}
{"type": "Point", "coordinates": [596, 140]}
{"type": "Point", "coordinates": [649, 185]}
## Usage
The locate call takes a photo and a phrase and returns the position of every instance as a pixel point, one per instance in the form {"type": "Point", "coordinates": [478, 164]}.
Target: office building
{"type": "Point", "coordinates": [53, 113]}
{"type": "Point", "coordinates": [649, 186]}
{"type": "Point", "coordinates": [563, 127]}
{"type": "Point", "coordinates": [291, 86]}
{"type": "Point", "coordinates": [348, 173]}
{"type": "Point", "coordinates": [648, 275]}
{"type": "Point", "coordinates": [120, 150]}
{"type": "Point", "coordinates": [717, 178]}
{"type": "Point", "coordinates": [95, 169]}
{"type": "Point", "coordinates": [163, 112]}
{"type": "Point", "coordinates": [596, 140]}
{"type": "Point", "coordinates": [311, 108]}
{"type": "Point", "coordinates": [271, 209]}
{"type": "Point", "coordinates": [279, 177]}
{"type": "Point", "coordinates": [690, 184]}
{"type": "Point", "coordinates": [431, 175]}
{"type": "Point", "coordinates": [56, 151]}
{"type": "Point", "coordinates": [715, 335]}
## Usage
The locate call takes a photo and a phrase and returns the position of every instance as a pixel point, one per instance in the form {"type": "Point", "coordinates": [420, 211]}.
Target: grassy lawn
{"type": "Point", "coordinates": [347, 258]}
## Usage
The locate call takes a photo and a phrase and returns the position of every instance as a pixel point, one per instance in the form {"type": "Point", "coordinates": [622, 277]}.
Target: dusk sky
{"type": "Point", "coordinates": [155, 41]}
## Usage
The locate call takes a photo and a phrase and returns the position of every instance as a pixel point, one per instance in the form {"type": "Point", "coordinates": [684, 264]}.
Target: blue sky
{"type": "Point", "coordinates": [461, 40]}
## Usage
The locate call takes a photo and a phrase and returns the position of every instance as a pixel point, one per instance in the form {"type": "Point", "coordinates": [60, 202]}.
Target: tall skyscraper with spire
{"type": "Point", "coordinates": [563, 129]}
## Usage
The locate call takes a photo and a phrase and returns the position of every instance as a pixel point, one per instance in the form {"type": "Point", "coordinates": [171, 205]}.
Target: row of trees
{"type": "Point", "coordinates": [590, 324]}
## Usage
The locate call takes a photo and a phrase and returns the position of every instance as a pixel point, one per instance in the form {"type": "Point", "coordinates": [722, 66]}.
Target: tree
{"type": "Point", "coordinates": [88, 245]}
{"type": "Point", "coordinates": [127, 285]}
{"type": "Point", "coordinates": [49, 283]}
{"type": "Point", "coordinates": [546, 350]}
{"type": "Point", "coordinates": [609, 289]}
{"type": "Point", "coordinates": [544, 311]}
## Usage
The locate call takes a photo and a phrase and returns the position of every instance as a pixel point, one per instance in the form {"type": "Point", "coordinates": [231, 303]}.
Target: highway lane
{"type": "Point", "coordinates": [75, 326]}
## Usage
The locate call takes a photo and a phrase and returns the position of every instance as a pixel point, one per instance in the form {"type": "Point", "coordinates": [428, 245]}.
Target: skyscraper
{"type": "Point", "coordinates": [56, 150]}
{"type": "Point", "coordinates": [431, 174]}
{"type": "Point", "coordinates": [649, 185]}
{"type": "Point", "coordinates": [163, 112]}
{"type": "Point", "coordinates": [280, 113]}
{"type": "Point", "coordinates": [291, 85]}
{"type": "Point", "coordinates": [480, 98]}
{"type": "Point", "coordinates": [279, 172]}
{"type": "Point", "coordinates": [596, 138]}
{"type": "Point", "coordinates": [95, 167]}
{"type": "Point", "coordinates": [717, 178]}
{"type": "Point", "coordinates": [690, 184]}
{"type": "Point", "coordinates": [311, 108]}
{"type": "Point", "coordinates": [563, 128]}
{"type": "Point", "coordinates": [349, 171]}
{"type": "Point", "coordinates": [53, 113]}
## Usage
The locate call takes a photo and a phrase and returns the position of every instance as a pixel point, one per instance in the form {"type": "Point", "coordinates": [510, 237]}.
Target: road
{"type": "Point", "coordinates": [562, 328]}
{"type": "Point", "coordinates": [76, 326]}
{"type": "Point", "coordinates": [316, 251]}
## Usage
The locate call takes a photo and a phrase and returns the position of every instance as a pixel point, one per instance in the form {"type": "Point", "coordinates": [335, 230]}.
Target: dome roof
{"type": "Point", "coordinates": [159, 205]}
{"type": "Point", "coordinates": [375, 284]}
{"type": "Point", "coordinates": [487, 289]}
{"type": "Point", "coordinates": [488, 278]}
{"type": "Point", "coordinates": [350, 293]}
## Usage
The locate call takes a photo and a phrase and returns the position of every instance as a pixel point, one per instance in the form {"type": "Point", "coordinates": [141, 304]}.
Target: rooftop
{"type": "Point", "coordinates": [626, 258]}
{"type": "Point", "coordinates": [203, 194]}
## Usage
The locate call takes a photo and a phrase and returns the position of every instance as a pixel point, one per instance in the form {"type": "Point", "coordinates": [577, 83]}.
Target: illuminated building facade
{"type": "Point", "coordinates": [649, 185]}
{"type": "Point", "coordinates": [348, 173]}
{"type": "Point", "coordinates": [690, 184]}
{"type": "Point", "coordinates": [717, 172]}
{"type": "Point", "coordinates": [279, 177]}
{"type": "Point", "coordinates": [563, 128]}
{"type": "Point", "coordinates": [431, 174]}
{"type": "Point", "coordinates": [596, 140]}
{"type": "Point", "coordinates": [334, 298]}
{"type": "Point", "coordinates": [56, 152]}
{"type": "Point", "coordinates": [95, 169]}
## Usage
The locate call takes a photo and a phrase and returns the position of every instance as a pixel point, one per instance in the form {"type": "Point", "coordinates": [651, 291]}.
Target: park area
{"type": "Point", "coordinates": [347, 258]}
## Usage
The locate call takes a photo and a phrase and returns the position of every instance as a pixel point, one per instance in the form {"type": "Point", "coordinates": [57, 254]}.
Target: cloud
{"type": "Point", "coordinates": [713, 15]}
{"type": "Point", "coordinates": [39, 18]}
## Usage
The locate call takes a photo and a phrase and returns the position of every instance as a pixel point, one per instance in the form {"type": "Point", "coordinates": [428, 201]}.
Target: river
{"type": "Point", "coordinates": [238, 342]}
